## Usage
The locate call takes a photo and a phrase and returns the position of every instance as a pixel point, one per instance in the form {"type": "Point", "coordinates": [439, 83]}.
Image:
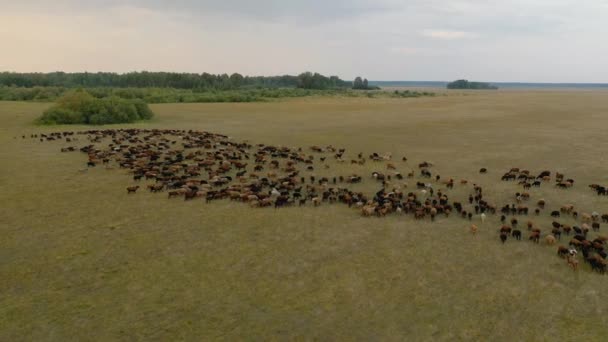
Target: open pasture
{"type": "Point", "coordinates": [79, 254]}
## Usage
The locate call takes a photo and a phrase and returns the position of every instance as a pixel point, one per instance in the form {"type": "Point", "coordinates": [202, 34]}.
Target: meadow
{"type": "Point", "coordinates": [82, 260]}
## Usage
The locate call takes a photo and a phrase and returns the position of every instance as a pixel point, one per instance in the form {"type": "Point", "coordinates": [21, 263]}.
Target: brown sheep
{"type": "Point", "coordinates": [474, 229]}
{"type": "Point", "coordinates": [132, 189]}
{"type": "Point", "coordinates": [419, 214]}
{"type": "Point", "coordinates": [550, 240]}
{"type": "Point", "coordinates": [562, 251]}
{"type": "Point", "coordinates": [567, 208]}
{"type": "Point", "coordinates": [177, 192]}
{"type": "Point", "coordinates": [541, 203]}
{"type": "Point", "coordinates": [505, 229]}
{"type": "Point", "coordinates": [572, 262]}
{"type": "Point", "coordinates": [535, 236]}
{"type": "Point", "coordinates": [316, 201]}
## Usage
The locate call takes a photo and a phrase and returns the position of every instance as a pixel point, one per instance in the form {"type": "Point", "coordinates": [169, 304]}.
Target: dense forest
{"type": "Point", "coordinates": [464, 84]}
{"type": "Point", "coordinates": [144, 79]}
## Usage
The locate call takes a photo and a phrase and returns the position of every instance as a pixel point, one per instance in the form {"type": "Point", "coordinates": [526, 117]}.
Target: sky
{"type": "Point", "coordinates": [442, 40]}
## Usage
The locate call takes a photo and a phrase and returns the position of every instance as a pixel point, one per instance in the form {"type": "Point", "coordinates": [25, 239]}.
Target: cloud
{"type": "Point", "coordinates": [516, 40]}
{"type": "Point", "coordinates": [448, 34]}
{"type": "Point", "coordinates": [301, 12]}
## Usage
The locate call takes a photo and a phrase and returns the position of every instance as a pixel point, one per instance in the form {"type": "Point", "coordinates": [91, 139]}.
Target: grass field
{"type": "Point", "coordinates": [82, 260]}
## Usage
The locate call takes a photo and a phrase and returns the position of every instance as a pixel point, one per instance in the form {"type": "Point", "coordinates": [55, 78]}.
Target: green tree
{"type": "Point", "coordinates": [358, 84]}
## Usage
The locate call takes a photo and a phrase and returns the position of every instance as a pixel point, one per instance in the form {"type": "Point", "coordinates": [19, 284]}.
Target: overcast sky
{"type": "Point", "coordinates": [486, 40]}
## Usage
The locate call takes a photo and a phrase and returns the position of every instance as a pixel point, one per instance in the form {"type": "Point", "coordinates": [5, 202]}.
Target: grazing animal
{"type": "Point", "coordinates": [535, 236]}
{"type": "Point", "coordinates": [132, 189]}
{"type": "Point", "coordinates": [503, 237]}
{"type": "Point", "coordinates": [474, 229]}
{"type": "Point", "coordinates": [516, 234]}
{"type": "Point", "coordinates": [562, 251]}
{"type": "Point", "coordinates": [586, 218]}
{"type": "Point", "coordinates": [572, 262]}
{"type": "Point", "coordinates": [550, 240]}
{"type": "Point", "coordinates": [316, 201]}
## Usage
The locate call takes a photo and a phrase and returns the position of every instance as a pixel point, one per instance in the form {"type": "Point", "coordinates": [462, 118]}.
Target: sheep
{"type": "Point", "coordinates": [474, 229]}
{"type": "Point", "coordinates": [572, 262]}
{"type": "Point", "coordinates": [433, 213]}
{"type": "Point", "coordinates": [562, 251]}
{"type": "Point", "coordinates": [132, 189]}
{"type": "Point", "coordinates": [557, 233]}
{"type": "Point", "coordinates": [503, 237]}
{"type": "Point", "coordinates": [505, 229]}
{"type": "Point", "coordinates": [483, 217]}
{"type": "Point", "coordinates": [316, 201]}
{"type": "Point", "coordinates": [595, 226]}
{"type": "Point", "coordinates": [535, 236]}
{"type": "Point", "coordinates": [516, 234]}
{"type": "Point", "coordinates": [550, 240]}
{"type": "Point", "coordinates": [567, 208]}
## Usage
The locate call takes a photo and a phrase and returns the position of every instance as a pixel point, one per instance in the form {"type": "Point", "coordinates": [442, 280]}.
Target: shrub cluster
{"type": "Point", "coordinates": [80, 107]}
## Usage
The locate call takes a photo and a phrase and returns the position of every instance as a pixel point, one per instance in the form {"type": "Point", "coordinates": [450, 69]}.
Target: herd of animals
{"type": "Point", "coordinates": [193, 165]}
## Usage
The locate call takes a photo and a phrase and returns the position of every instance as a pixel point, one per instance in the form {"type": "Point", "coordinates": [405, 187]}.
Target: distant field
{"type": "Point", "coordinates": [82, 260]}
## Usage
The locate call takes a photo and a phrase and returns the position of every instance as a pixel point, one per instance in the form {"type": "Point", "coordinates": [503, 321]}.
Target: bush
{"type": "Point", "coordinates": [80, 107]}
{"type": "Point", "coordinates": [57, 115]}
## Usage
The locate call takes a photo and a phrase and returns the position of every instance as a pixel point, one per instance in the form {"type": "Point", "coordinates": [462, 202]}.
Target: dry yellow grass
{"type": "Point", "coordinates": [81, 260]}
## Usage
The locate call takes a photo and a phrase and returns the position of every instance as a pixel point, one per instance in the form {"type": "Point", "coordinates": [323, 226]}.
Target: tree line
{"type": "Point", "coordinates": [145, 79]}
{"type": "Point", "coordinates": [464, 84]}
{"type": "Point", "coordinates": [168, 95]}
